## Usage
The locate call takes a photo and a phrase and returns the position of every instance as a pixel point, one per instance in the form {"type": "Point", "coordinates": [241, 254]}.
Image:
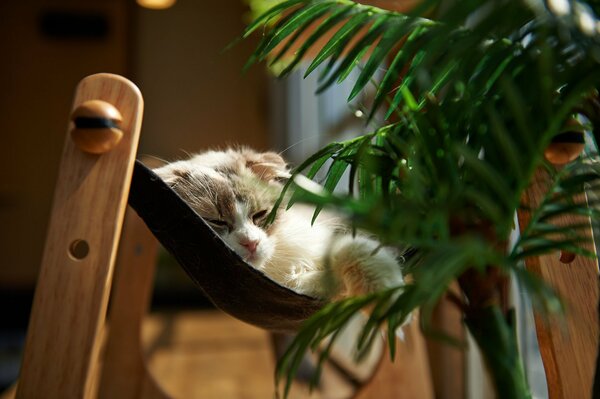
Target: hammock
{"type": "Point", "coordinates": [226, 279]}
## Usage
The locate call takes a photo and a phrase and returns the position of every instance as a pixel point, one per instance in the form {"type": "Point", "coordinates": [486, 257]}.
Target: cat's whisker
{"type": "Point", "coordinates": [155, 158]}
{"type": "Point", "coordinates": [304, 140]}
{"type": "Point", "coordinates": [186, 152]}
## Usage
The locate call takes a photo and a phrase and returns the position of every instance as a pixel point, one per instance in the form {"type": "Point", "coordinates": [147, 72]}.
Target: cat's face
{"type": "Point", "coordinates": [234, 192]}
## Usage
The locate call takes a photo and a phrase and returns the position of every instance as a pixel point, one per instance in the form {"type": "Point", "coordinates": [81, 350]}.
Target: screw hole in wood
{"type": "Point", "coordinates": [566, 257]}
{"type": "Point", "coordinates": [79, 249]}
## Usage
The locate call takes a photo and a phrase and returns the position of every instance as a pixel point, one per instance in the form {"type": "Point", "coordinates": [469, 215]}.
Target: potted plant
{"type": "Point", "coordinates": [475, 98]}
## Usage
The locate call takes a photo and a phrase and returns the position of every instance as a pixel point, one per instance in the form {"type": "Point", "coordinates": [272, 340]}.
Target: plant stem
{"type": "Point", "coordinates": [490, 321]}
{"type": "Point", "coordinates": [495, 335]}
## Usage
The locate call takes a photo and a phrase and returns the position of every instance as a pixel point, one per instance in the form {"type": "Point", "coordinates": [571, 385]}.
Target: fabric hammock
{"type": "Point", "coordinates": [226, 279]}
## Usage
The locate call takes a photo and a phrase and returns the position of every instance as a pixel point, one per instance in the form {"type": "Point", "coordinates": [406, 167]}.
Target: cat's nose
{"type": "Point", "coordinates": [250, 245]}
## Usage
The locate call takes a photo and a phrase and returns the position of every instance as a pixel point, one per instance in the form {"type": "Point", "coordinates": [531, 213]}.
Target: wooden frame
{"type": "Point", "coordinates": [67, 318]}
{"type": "Point", "coordinates": [63, 356]}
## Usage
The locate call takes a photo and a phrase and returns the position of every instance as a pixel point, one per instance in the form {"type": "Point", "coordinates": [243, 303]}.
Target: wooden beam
{"type": "Point", "coordinates": [568, 347]}
{"type": "Point", "coordinates": [72, 292]}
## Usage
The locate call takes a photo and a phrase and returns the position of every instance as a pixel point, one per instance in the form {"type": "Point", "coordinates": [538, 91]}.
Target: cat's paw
{"type": "Point", "coordinates": [363, 266]}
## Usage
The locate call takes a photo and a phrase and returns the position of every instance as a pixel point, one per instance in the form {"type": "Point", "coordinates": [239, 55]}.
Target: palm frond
{"type": "Point", "coordinates": [454, 49]}
{"type": "Point", "coordinates": [390, 307]}
{"type": "Point", "coordinates": [561, 221]}
{"type": "Point", "coordinates": [472, 94]}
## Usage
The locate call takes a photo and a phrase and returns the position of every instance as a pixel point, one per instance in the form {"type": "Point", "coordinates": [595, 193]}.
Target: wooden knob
{"type": "Point", "coordinates": [97, 126]}
{"type": "Point", "coordinates": [566, 146]}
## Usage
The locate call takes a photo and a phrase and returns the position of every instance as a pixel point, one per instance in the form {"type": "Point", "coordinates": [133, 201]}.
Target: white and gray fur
{"type": "Point", "coordinates": [234, 191]}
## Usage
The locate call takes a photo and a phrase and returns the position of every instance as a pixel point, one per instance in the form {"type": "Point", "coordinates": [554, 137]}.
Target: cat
{"type": "Point", "coordinates": [234, 191]}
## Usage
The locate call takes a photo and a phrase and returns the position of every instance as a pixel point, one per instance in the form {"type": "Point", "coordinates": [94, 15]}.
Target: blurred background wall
{"type": "Point", "coordinates": [195, 95]}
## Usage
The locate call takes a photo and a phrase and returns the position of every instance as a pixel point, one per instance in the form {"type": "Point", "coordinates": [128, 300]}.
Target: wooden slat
{"type": "Point", "coordinates": [124, 371]}
{"type": "Point", "coordinates": [568, 347]}
{"type": "Point", "coordinates": [70, 301]}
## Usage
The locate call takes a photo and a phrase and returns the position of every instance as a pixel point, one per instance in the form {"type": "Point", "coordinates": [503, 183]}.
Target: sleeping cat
{"type": "Point", "coordinates": [234, 191]}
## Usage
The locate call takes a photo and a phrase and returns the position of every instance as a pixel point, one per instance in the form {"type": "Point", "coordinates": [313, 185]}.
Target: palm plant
{"type": "Point", "coordinates": [468, 97]}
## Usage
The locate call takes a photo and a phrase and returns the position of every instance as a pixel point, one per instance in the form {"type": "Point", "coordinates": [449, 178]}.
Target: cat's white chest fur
{"type": "Point", "coordinates": [301, 249]}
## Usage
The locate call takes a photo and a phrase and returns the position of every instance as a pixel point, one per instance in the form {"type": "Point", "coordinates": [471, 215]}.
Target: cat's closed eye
{"type": "Point", "coordinates": [258, 216]}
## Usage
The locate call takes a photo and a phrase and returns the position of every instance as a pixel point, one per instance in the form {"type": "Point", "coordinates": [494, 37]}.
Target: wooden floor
{"type": "Point", "coordinates": [208, 354]}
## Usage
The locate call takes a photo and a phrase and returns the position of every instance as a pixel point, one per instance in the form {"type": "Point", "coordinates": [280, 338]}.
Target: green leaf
{"type": "Point", "coordinates": [268, 15]}
{"type": "Point", "coordinates": [505, 57]}
{"type": "Point", "coordinates": [519, 113]}
{"type": "Point", "coordinates": [314, 381]}
{"type": "Point", "coordinates": [317, 165]}
{"type": "Point", "coordinates": [376, 318]}
{"type": "Point", "coordinates": [355, 54]}
{"type": "Point", "coordinates": [408, 98]}
{"type": "Point", "coordinates": [290, 42]}
{"type": "Point", "coordinates": [389, 79]}
{"type": "Point", "coordinates": [343, 72]}
{"type": "Point", "coordinates": [505, 145]}
{"type": "Point", "coordinates": [339, 40]}
{"type": "Point", "coordinates": [305, 15]}
{"type": "Point", "coordinates": [329, 320]}
{"type": "Point", "coordinates": [554, 210]}
{"type": "Point", "coordinates": [398, 63]}
{"type": "Point", "coordinates": [550, 229]}
{"type": "Point", "coordinates": [542, 246]}
{"type": "Point", "coordinates": [364, 145]}
{"type": "Point", "coordinates": [574, 184]}
{"type": "Point", "coordinates": [493, 179]}
{"type": "Point", "coordinates": [409, 50]}
{"type": "Point", "coordinates": [395, 30]}
{"type": "Point", "coordinates": [329, 149]}
{"type": "Point", "coordinates": [487, 204]}
{"type": "Point", "coordinates": [334, 174]}
{"type": "Point", "coordinates": [441, 79]}
{"type": "Point", "coordinates": [323, 28]}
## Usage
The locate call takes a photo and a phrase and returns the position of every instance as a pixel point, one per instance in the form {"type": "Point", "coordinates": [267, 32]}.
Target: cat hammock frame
{"type": "Point", "coordinates": [64, 355]}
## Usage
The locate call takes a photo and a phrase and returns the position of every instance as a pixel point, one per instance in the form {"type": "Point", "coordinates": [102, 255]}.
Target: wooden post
{"type": "Point", "coordinates": [125, 374]}
{"type": "Point", "coordinates": [63, 338]}
{"type": "Point", "coordinates": [568, 347]}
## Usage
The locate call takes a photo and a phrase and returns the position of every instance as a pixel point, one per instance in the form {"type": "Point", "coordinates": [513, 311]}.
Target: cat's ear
{"type": "Point", "coordinates": [267, 166]}
{"type": "Point", "coordinates": [172, 173]}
